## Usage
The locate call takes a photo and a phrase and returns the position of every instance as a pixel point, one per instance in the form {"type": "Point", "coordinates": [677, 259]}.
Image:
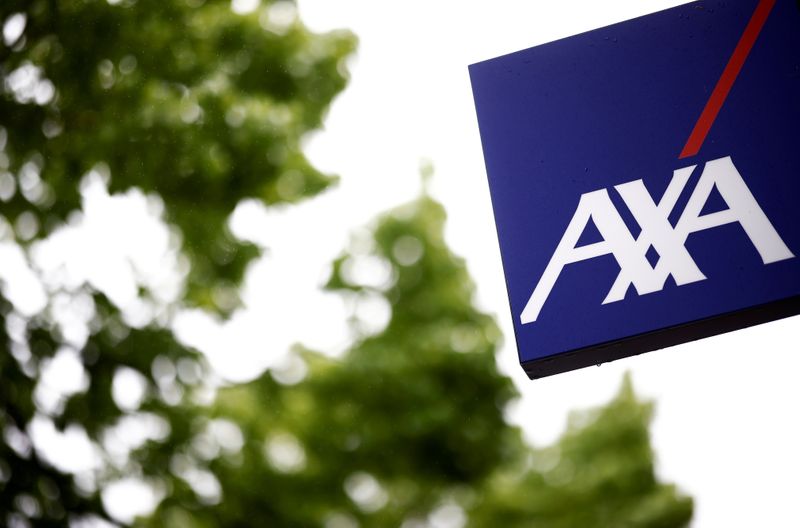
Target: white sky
{"type": "Point", "coordinates": [726, 428]}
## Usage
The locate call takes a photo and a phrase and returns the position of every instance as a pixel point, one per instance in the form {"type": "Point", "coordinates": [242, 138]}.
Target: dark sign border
{"type": "Point", "coordinates": [662, 338]}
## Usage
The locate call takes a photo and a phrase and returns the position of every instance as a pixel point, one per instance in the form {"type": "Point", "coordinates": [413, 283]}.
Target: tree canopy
{"type": "Point", "coordinates": [197, 107]}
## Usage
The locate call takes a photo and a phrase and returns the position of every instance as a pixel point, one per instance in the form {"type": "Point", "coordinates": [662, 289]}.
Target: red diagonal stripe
{"type": "Point", "coordinates": [725, 83]}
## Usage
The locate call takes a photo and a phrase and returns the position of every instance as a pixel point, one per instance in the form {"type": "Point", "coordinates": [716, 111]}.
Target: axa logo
{"type": "Point", "coordinates": [653, 218]}
{"type": "Point", "coordinates": [657, 231]}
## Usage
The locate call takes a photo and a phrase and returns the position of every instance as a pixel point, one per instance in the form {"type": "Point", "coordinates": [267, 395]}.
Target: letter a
{"type": "Point", "coordinates": [742, 208]}
{"type": "Point", "coordinates": [617, 240]}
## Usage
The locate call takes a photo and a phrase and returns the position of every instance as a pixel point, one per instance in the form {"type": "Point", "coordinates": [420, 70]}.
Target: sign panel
{"type": "Point", "coordinates": [645, 179]}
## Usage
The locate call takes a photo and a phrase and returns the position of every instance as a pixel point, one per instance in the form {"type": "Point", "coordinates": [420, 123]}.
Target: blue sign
{"type": "Point", "coordinates": [645, 179]}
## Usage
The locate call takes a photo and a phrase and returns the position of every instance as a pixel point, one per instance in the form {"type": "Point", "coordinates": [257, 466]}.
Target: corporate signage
{"type": "Point", "coordinates": [645, 179]}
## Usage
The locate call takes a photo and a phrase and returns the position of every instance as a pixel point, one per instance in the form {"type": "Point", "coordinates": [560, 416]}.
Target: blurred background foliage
{"type": "Point", "coordinates": [197, 107]}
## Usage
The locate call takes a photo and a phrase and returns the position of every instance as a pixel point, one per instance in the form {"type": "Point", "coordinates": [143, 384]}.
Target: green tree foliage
{"type": "Point", "coordinates": [203, 108]}
{"type": "Point", "coordinates": [600, 473]}
{"type": "Point", "coordinates": [389, 431]}
{"type": "Point", "coordinates": [187, 101]}
{"type": "Point", "coordinates": [184, 98]}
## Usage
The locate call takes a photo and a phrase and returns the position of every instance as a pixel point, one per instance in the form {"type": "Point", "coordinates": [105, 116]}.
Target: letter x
{"type": "Point", "coordinates": [657, 231]}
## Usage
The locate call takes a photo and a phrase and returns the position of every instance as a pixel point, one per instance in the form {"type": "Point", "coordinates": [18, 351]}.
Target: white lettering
{"type": "Point", "coordinates": [656, 231]}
